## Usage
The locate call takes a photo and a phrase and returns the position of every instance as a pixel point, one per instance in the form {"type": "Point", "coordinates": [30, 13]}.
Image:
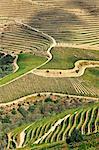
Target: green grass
{"type": "Point", "coordinates": [26, 62]}
{"type": "Point", "coordinates": [91, 76]}
{"type": "Point", "coordinates": [64, 58]}
{"type": "Point", "coordinates": [47, 146]}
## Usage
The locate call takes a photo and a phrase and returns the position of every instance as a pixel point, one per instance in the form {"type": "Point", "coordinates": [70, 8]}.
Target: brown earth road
{"type": "Point", "coordinates": [53, 44]}
{"type": "Point", "coordinates": [77, 71]}
{"type": "Point", "coordinates": [47, 94]}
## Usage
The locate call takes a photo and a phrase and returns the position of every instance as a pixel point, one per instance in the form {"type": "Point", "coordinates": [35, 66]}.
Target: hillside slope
{"type": "Point", "coordinates": [67, 21]}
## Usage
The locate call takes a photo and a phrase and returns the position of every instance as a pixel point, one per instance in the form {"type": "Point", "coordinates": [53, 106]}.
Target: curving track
{"type": "Point", "coordinates": [45, 93]}
{"type": "Point", "coordinates": [77, 71]}
{"type": "Point", "coordinates": [48, 51]}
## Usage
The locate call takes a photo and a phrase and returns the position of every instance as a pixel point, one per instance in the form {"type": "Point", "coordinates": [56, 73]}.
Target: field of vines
{"type": "Point", "coordinates": [20, 38]}
{"type": "Point", "coordinates": [56, 129]}
{"type": "Point", "coordinates": [30, 29]}
{"type": "Point", "coordinates": [73, 22]}
{"type": "Point", "coordinates": [31, 83]}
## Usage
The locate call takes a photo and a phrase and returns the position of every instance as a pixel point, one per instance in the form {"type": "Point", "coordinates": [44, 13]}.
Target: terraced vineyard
{"type": "Point", "coordinates": [37, 84]}
{"type": "Point", "coordinates": [14, 37]}
{"type": "Point", "coordinates": [72, 23]}
{"type": "Point", "coordinates": [56, 129]}
{"type": "Point", "coordinates": [56, 49]}
{"type": "Point", "coordinates": [68, 22]}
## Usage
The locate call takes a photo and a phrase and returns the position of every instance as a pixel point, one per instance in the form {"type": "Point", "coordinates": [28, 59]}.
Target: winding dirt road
{"type": "Point", "coordinates": [15, 63]}
{"type": "Point", "coordinates": [47, 94]}
{"type": "Point", "coordinates": [77, 71]}
{"type": "Point", "coordinates": [53, 44]}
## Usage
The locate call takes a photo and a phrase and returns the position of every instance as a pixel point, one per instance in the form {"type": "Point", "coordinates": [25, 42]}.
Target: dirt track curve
{"type": "Point", "coordinates": [77, 71]}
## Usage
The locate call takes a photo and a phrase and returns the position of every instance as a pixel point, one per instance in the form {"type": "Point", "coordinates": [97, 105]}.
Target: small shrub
{"type": "Point", "coordinates": [76, 136]}
{"type": "Point", "coordinates": [42, 109]}
{"type": "Point", "coordinates": [6, 119]}
{"type": "Point", "coordinates": [77, 71]}
{"type": "Point", "coordinates": [31, 108]}
{"type": "Point", "coordinates": [1, 111]}
{"type": "Point", "coordinates": [13, 111]}
{"type": "Point", "coordinates": [48, 99]}
{"type": "Point", "coordinates": [38, 95]}
{"type": "Point", "coordinates": [83, 146]}
{"type": "Point", "coordinates": [47, 71]}
{"type": "Point", "coordinates": [23, 112]}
